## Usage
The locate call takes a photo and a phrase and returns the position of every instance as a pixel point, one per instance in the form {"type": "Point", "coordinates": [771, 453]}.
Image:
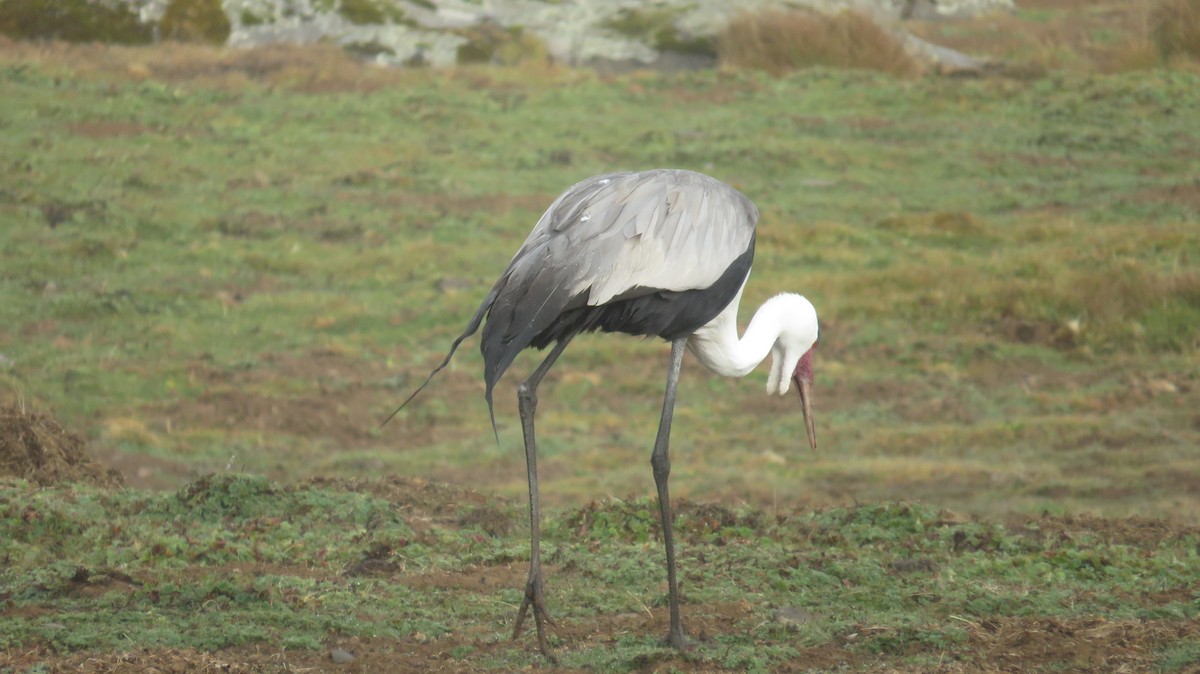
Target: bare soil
{"type": "Point", "coordinates": [33, 445]}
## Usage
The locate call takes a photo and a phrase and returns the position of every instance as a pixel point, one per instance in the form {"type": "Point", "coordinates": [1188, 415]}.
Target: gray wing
{"type": "Point", "coordinates": [614, 237]}
{"type": "Point", "coordinates": [665, 229]}
{"type": "Point", "coordinates": [611, 237]}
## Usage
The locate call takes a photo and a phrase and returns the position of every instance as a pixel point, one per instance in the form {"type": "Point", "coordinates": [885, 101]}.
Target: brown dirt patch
{"type": "Point", "coordinates": [1186, 195]}
{"type": "Point", "coordinates": [323, 368]}
{"type": "Point", "coordinates": [427, 502]}
{"type": "Point", "coordinates": [443, 205]}
{"type": "Point", "coordinates": [97, 582]}
{"type": "Point", "coordinates": [343, 422]}
{"type": "Point", "coordinates": [330, 398]}
{"type": "Point", "coordinates": [319, 393]}
{"type": "Point", "coordinates": [144, 471]}
{"type": "Point", "coordinates": [145, 660]}
{"type": "Point", "coordinates": [484, 579]}
{"type": "Point", "coordinates": [1045, 34]}
{"type": "Point", "coordinates": [421, 653]}
{"type": "Point", "coordinates": [417, 653]}
{"type": "Point", "coordinates": [107, 129]}
{"type": "Point", "coordinates": [1141, 532]}
{"type": "Point", "coordinates": [34, 446]}
{"type": "Point", "coordinates": [1049, 333]}
{"type": "Point", "coordinates": [1077, 644]}
{"type": "Point", "coordinates": [425, 497]}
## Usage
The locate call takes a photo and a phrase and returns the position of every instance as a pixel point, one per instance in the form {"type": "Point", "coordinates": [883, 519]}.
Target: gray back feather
{"type": "Point", "coordinates": [613, 237]}
{"type": "Point", "coordinates": [666, 229]}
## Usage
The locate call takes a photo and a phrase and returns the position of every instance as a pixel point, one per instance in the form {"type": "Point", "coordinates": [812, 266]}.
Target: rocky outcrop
{"type": "Point", "coordinates": [638, 33]}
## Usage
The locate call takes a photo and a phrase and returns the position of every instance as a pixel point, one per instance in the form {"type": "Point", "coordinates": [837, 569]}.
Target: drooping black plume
{"type": "Point", "coordinates": [472, 327]}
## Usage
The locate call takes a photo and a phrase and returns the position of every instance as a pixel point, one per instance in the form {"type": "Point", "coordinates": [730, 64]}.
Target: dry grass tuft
{"type": "Point", "coordinates": [1175, 29]}
{"type": "Point", "coordinates": [35, 447]}
{"type": "Point", "coordinates": [1120, 304]}
{"type": "Point", "coordinates": [315, 68]}
{"type": "Point", "coordinates": [780, 41]}
{"type": "Point", "coordinates": [124, 429]}
{"type": "Point", "coordinates": [1131, 55]}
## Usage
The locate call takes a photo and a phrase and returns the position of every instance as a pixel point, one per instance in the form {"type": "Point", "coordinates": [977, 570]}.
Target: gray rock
{"type": "Point", "coordinates": [576, 32]}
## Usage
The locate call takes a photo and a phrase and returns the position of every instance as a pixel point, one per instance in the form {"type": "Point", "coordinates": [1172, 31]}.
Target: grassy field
{"type": "Point", "coordinates": [224, 270]}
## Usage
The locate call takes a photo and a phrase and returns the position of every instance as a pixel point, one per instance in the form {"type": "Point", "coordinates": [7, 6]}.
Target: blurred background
{"type": "Point", "coordinates": [235, 235]}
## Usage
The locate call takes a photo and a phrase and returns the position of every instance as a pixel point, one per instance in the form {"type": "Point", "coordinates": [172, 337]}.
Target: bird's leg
{"type": "Point", "coordinates": [660, 461]}
{"type": "Point", "coordinates": [527, 403]}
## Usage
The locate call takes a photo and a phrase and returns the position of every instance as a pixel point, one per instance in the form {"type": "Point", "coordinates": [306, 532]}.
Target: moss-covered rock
{"type": "Point", "coordinates": [195, 21]}
{"type": "Point", "coordinates": [367, 12]}
{"type": "Point", "coordinates": [492, 43]}
{"type": "Point", "coordinates": [657, 27]}
{"type": "Point", "coordinates": [368, 50]}
{"type": "Point", "coordinates": [73, 21]}
{"type": "Point", "coordinates": [249, 18]}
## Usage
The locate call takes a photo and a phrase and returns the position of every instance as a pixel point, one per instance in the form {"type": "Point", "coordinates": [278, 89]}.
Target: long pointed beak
{"type": "Point", "coordinates": [805, 386]}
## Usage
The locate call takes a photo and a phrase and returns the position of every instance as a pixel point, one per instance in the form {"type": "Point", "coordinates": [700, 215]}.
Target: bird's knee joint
{"type": "Point", "coordinates": [660, 464]}
{"type": "Point", "coordinates": [527, 394]}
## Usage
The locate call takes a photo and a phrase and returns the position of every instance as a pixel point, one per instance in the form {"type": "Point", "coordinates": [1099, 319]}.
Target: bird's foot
{"type": "Point", "coordinates": [676, 638]}
{"type": "Point", "coordinates": [535, 603]}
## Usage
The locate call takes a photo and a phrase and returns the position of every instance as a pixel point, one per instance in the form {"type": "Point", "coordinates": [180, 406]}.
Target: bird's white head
{"type": "Point", "coordinates": [792, 354]}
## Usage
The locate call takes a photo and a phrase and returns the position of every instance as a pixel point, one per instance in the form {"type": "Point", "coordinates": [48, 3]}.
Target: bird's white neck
{"type": "Point", "coordinates": [785, 326]}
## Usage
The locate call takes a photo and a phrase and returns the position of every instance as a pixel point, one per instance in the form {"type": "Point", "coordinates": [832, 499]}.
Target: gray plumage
{"type": "Point", "coordinates": [657, 252]}
{"type": "Point", "coordinates": [612, 233]}
{"type": "Point", "coordinates": [608, 242]}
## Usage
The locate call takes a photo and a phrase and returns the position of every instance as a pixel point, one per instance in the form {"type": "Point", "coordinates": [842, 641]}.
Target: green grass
{"type": "Point", "coordinates": [231, 560]}
{"type": "Point", "coordinates": [246, 271]}
{"type": "Point", "coordinates": [985, 255]}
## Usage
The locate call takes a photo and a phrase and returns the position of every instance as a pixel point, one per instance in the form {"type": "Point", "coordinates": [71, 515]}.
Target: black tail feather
{"type": "Point", "coordinates": [472, 327]}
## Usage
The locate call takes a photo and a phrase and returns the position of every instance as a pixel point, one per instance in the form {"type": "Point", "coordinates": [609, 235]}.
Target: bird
{"type": "Point", "coordinates": [658, 253]}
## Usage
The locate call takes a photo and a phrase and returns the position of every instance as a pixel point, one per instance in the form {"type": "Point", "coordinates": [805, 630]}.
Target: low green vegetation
{"type": "Point", "coordinates": [72, 21]}
{"type": "Point", "coordinates": [225, 269]}
{"type": "Point", "coordinates": [202, 274]}
{"type": "Point", "coordinates": [230, 560]}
